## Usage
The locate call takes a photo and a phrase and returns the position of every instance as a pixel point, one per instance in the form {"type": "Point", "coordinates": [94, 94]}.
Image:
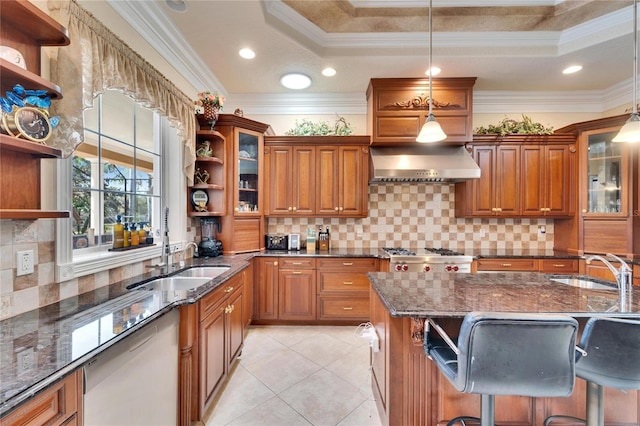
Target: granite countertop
{"type": "Point", "coordinates": [330, 253]}
{"type": "Point", "coordinates": [515, 253]}
{"type": "Point", "coordinates": [62, 337]}
{"type": "Point", "coordinates": [409, 294]}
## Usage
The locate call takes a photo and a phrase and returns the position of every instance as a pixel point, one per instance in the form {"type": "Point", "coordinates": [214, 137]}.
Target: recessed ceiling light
{"type": "Point", "coordinates": [247, 53]}
{"type": "Point", "coordinates": [434, 70]}
{"type": "Point", "coordinates": [572, 69]}
{"type": "Point", "coordinates": [328, 72]}
{"type": "Point", "coordinates": [176, 5]}
{"type": "Point", "coordinates": [295, 81]}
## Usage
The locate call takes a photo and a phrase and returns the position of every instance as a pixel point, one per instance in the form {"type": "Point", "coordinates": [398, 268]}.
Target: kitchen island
{"type": "Point", "coordinates": [409, 389]}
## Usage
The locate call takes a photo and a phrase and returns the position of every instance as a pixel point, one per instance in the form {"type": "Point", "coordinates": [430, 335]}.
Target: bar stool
{"type": "Point", "coordinates": [613, 360]}
{"type": "Point", "coordinates": [506, 354]}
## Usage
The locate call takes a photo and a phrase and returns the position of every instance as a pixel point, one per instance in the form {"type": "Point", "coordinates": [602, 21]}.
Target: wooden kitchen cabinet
{"type": "Point", "coordinates": [606, 220]}
{"type": "Point", "coordinates": [59, 404]}
{"type": "Point", "coordinates": [317, 176]}
{"type": "Point", "coordinates": [521, 176]}
{"type": "Point", "coordinates": [211, 338]}
{"type": "Point", "coordinates": [26, 28]}
{"type": "Point", "coordinates": [548, 172]}
{"type": "Point", "coordinates": [398, 107]}
{"type": "Point", "coordinates": [496, 192]}
{"type": "Point", "coordinates": [312, 290]}
{"type": "Point", "coordinates": [291, 180]}
{"type": "Point", "coordinates": [212, 166]}
{"type": "Point", "coordinates": [527, 264]}
{"type": "Point", "coordinates": [242, 225]}
{"type": "Point", "coordinates": [343, 288]}
{"type": "Point", "coordinates": [297, 289]}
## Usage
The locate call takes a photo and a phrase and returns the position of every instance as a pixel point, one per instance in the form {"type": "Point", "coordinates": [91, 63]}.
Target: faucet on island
{"type": "Point", "coordinates": [623, 276]}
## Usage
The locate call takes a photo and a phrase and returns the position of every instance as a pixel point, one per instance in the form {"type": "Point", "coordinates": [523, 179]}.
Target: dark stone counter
{"type": "Point", "coordinates": [525, 253]}
{"type": "Point", "coordinates": [62, 337]}
{"type": "Point", "coordinates": [330, 253]}
{"type": "Point", "coordinates": [408, 294]}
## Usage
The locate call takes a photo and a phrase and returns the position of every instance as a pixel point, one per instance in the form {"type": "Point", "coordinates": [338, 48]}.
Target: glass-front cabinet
{"type": "Point", "coordinates": [248, 183]}
{"type": "Point", "coordinates": [606, 179]}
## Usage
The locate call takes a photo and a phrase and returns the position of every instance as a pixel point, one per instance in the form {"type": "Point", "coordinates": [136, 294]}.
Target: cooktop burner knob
{"type": "Point", "coordinates": [449, 268]}
{"type": "Point", "coordinates": [427, 268]}
{"type": "Point", "coordinates": [455, 268]}
{"type": "Point", "coordinates": [398, 267]}
{"type": "Point", "coordinates": [405, 267]}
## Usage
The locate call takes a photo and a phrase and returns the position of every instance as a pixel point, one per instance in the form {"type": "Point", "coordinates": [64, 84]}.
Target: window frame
{"type": "Point", "coordinates": [172, 193]}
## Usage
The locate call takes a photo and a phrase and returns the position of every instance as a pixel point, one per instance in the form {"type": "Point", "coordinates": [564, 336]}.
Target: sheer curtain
{"type": "Point", "coordinates": [97, 60]}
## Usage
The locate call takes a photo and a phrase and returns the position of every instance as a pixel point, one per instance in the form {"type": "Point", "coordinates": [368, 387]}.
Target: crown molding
{"type": "Point", "coordinates": [156, 28]}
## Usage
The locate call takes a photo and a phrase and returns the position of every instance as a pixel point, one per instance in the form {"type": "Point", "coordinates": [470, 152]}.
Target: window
{"type": "Point", "coordinates": [115, 172]}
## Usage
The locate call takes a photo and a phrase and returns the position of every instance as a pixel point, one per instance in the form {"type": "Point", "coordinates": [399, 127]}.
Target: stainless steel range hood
{"type": "Point", "coordinates": [422, 163]}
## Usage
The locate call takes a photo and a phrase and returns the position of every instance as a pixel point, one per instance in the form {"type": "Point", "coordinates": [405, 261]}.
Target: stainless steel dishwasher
{"type": "Point", "coordinates": [135, 382]}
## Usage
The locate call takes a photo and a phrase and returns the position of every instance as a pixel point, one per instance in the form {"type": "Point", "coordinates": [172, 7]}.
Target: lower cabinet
{"type": "Point", "coordinates": [525, 264]}
{"type": "Point", "coordinates": [211, 338]}
{"type": "Point", "coordinates": [60, 404]}
{"type": "Point", "coordinates": [312, 289]}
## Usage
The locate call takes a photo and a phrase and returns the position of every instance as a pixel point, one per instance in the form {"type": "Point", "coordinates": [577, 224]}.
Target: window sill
{"type": "Point", "coordinates": [91, 263]}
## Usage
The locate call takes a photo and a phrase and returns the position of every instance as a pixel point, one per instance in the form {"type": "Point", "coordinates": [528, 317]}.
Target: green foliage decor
{"type": "Point", "coordinates": [509, 126]}
{"type": "Point", "coordinates": [309, 128]}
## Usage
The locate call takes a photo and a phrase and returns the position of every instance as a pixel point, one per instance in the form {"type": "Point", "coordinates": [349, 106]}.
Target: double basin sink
{"type": "Point", "coordinates": [187, 280]}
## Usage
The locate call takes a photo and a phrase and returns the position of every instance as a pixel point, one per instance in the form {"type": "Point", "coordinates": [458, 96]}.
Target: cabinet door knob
{"type": "Point", "coordinates": [584, 210]}
{"type": "Point", "coordinates": [275, 263]}
{"type": "Point", "coordinates": [341, 208]}
{"type": "Point", "coordinates": [337, 208]}
{"type": "Point", "coordinates": [295, 208]}
{"type": "Point", "coordinates": [290, 208]}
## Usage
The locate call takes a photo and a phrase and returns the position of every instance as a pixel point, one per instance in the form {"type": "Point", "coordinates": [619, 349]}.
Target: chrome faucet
{"type": "Point", "coordinates": [166, 247]}
{"type": "Point", "coordinates": [623, 276]}
{"type": "Point", "coordinates": [191, 244]}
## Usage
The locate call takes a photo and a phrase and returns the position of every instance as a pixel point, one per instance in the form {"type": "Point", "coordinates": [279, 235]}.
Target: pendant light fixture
{"type": "Point", "coordinates": [630, 132]}
{"type": "Point", "coordinates": [431, 130]}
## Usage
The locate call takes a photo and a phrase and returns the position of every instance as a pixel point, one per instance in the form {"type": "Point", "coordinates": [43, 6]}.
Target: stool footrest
{"type": "Point", "coordinates": [551, 419]}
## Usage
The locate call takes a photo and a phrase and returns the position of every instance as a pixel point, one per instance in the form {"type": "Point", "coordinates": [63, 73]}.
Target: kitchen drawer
{"type": "Point", "coordinates": [57, 405]}
{"type": "Point", "coordinates": [335, 307]}
{"type": "Point", "coordinates": [343, 281]}
{"type": "Point", "coordinates": [559, 265]}
{"type": "Point", "coordinates": [505, 264]}
{"type": "Point", "coordinates": [211, 301]}
{"type": "Point", "coordinates": [297, 263]}
{"type": "Point", "coordinates": [367, 264]}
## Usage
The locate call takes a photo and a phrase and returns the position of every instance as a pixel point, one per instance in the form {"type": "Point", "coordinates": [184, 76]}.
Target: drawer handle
{"type": "Point", "coordinates": [347, 282]}
{"type": "Point", "coordinates": [558, 265]}
{"type": "Point", "coordinates": [228, 289]}
{"type": "Point", "coordinates": [297, 272]}
{"type": "Point", "coordinates": [506, 265]}
{"type": "Point", "coordinates": [347, 308]}
{"type": "Point", "coordinates": [296, 263]}
{"type": "Point", "coordinates": [347, 263]}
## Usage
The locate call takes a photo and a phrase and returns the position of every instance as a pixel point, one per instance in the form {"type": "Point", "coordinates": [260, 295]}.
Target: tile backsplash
{"type": "Point", "coordinates": [415, 215]}
{"type": "Point", "coordinates": [420, 215]}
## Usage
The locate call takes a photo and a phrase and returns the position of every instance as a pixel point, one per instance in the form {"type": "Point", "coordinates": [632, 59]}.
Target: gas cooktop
{"type": "Point", "coordinates": [430, 251]}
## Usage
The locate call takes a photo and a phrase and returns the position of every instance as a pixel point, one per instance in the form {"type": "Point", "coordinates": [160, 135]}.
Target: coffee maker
{"type": "Point", "coordinates": [209, 246]}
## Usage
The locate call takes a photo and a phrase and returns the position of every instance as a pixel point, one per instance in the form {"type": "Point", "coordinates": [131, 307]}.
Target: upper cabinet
{"type": "Point", "coordinates": [317, 176]}
{"type": "Point", "coordinates": [607, 219]}
{"type": "Point", "coordinates": [521, 176]}
{"type": "Point", "coordinates": [26, 28]}
{"type": "Point", "coordinates": [242, 223]}
{"type": "Point", "coordinates": [398, 107]}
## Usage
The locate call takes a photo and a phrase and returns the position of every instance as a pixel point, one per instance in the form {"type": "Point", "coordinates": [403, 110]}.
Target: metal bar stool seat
{"type": "Point", "coordinates": [613, 360]}
{"type": "Point", "coordinates": [506, 354]}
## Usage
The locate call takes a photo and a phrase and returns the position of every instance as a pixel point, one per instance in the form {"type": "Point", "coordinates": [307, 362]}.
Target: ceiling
{"type": "Point", "coordinates": [509, 45]}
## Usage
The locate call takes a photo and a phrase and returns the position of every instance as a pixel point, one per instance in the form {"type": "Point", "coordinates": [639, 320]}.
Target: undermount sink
{"type": "Point", "coordinates": [583, 283]}
{"type": "Point", "coordinates": [203, 271]}
{"type": "Point", "coordinates": [175, 283]}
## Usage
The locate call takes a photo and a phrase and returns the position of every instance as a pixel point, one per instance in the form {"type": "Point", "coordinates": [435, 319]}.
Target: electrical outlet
{"type": "Point", "coordinates": [483, 233]}
{"type": "Point", "coordinates": [25, 360]}
{"type": "Point", "coordinates": [24, 262]}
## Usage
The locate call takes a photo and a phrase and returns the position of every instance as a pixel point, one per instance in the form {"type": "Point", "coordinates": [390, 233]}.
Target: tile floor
{"type": "Point", "coordinates": [299, 375]}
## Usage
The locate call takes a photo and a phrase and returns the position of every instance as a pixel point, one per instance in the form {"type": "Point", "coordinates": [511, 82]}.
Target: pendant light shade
{"type": "Point", "coordinates": [630, 132]}
{"type": "Point", "coordinates": [431, 130]}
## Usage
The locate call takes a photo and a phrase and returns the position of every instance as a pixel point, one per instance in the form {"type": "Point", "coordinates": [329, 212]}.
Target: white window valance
{"type": "Point", "coordinates": [97, 60]}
